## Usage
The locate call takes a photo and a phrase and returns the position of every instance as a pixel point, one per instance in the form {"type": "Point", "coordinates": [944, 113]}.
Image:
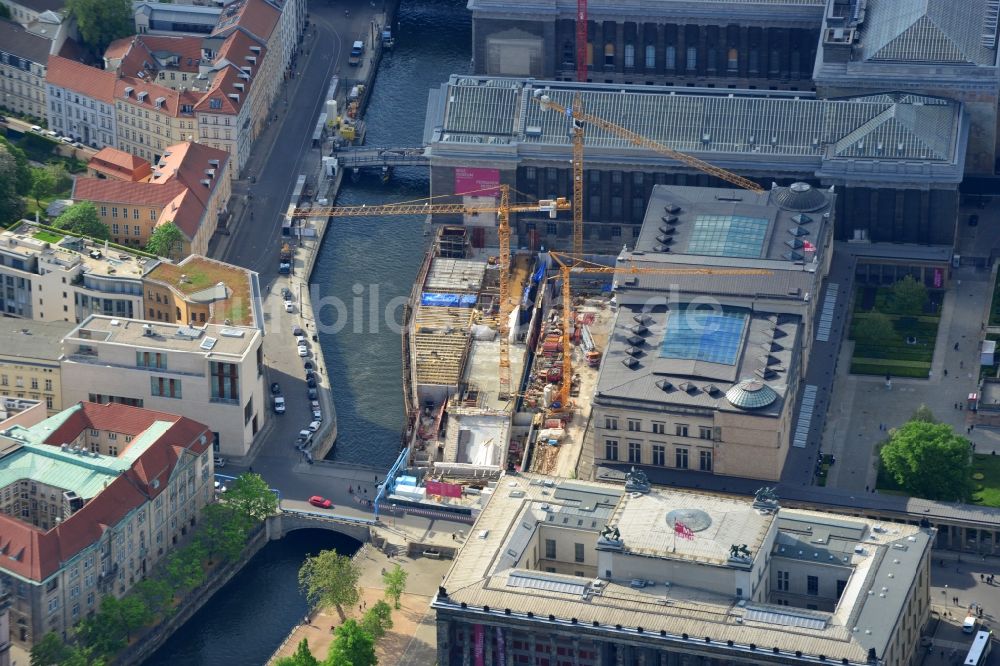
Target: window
{"type": "Point", "coordinates": [659, 455]}
{"type": "Point", "coordinates": [578, 554]}
{"type": "Point", "coordinates": [125, 213]}
{"type": "Point", "coordinates": [692, 58]}
{"type": "Point", "coordinates": [705, 461]}
{"type": "Point", "coordinates": [551, 228]}
{"type": "Point", "coordinates": [659, 428]}
{"type": "Point", "coordinates": [530, 173]}
{"type": "Point", "coordinates": [681, 458]}
{"type": "Point", "coordinates": [704, 432]}
{"type": "Point", "coordinates": [610, 422]}
{"type": "Point", "coordinates": [671, 57]}
{"type": "Point", "coordinates": [114, 229]}
{"type": "Point", "coordinates": [135, 229]}
{"type": "Point", "coordinates": [681, 430]}
{"type": "Point", "coordinates": [733, 60]}
{"type": "Point", "coordinates": [114, 212]}
{"type": "Point", "coordinates": [782, 581]}
{"type": "Point", "coordinates": [135, 213]}
{"type": "Point", "coordinates": [550, 549]}
{"type": "Point", "coordinates": [165, 387]}
{"type": "Point", "coordinates": [611, 449]}
{"type": "Point", "coordinates": [104, 211]}
{"type": "Point", "coordinates": [634, 425]}
{"type": "Point", "coordinates": [812, 585]}
{"type": "Point", "coordinates": [609, 55]}
{"type": "Point", "coordinates": [152, 216]}
{"type": "Point", "coordinates": [630, 55]}
{"type": "Point", "coordinates": [635, 452]}
{"type": "Point", "coordinates": [34, 383]}
{"type": "Point", "coordinates": [650, 56]}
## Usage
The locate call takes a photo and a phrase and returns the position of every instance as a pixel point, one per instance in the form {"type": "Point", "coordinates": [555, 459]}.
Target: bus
{"type": "Point", "coordinates": [980, 650]}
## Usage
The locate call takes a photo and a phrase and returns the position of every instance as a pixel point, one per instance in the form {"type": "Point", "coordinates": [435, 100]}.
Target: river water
{"type": "Point", "coordinates": [366, 262]}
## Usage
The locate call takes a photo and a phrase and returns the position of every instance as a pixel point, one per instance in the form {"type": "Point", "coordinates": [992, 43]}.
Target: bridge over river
{"type": "Point", "coordinates": [365, 156]}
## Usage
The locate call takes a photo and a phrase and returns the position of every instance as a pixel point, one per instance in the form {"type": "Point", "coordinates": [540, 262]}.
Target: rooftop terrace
{"type": "Point", "coordinates": [210, 340]}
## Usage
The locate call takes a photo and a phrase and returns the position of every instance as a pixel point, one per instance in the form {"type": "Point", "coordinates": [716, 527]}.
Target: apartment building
{"type": "Point", "coordinates": [91, 498]}
{"type": "Point", "coordinates": [23, 57]}
{"type": "Point", "coordinates": [211, 372]}
{"type": "Point", "coordinates": [189, 186]}
{"type": "Point", "coordinates": [151, 117]}
{"type": "Point", "coordinates": [174, 58]}
{"type": "Point", "coordinates": [81, 102]}
{"type": "Point", "coordinates": [199, 290]}
{"type": "Point", "coordinates": [67, 279]}
{"type": "Point", "coordinates": [569, 572]}
{"type": "Point", "coordinates": [26, 12]}
{"type": "Point", "coordinates": [29, 360]}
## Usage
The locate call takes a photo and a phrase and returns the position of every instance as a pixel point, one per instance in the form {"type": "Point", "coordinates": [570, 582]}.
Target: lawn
{"type": "Point", "coordinates": [910, 352]}
{"type": "Point", "coordinates": [986, 490]}
{"type": "Point", "coordinates": [47, 236]}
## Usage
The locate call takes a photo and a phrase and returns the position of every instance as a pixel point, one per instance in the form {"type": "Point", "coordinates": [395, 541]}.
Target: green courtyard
{"type": "Point", "coordinates": [894, 330]}
{"type": "Point", "coordinates": [985, 481]}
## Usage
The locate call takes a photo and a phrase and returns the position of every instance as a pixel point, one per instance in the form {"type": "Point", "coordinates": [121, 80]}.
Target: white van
{"type": "Point", "coordinates": [969, 625]}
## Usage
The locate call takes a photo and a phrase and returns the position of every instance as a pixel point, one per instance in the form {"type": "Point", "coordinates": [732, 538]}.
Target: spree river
{"type": "Point", "coordinates": [373, 260]}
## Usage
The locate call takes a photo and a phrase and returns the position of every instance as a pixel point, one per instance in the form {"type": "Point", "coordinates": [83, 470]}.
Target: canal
{"type": "Point", "coordinates": [366, 262]}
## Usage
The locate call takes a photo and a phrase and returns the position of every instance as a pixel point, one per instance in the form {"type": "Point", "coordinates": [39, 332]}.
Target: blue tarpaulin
{"type": "Point", "coordinates": [448, 300]}
{"type": "Point", "coordinates": [539, 274]}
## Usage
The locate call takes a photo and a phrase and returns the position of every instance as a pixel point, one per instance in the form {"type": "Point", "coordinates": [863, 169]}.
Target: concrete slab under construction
{"type": "Point", "coordinates": [455, 275]}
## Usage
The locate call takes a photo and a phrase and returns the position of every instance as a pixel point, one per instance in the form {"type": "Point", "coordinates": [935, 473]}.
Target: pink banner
{"type": "Point", "coordinates": [477, 181]}
{"type": "Point", "coordinates": [443, 489]}
{"type": "Point", "coordinates": [938, 278]}
{"type": "Point", "coordinates": [478, 645]}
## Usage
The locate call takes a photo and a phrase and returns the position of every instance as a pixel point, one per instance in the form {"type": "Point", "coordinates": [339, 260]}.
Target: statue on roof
{"type": "Point", "coordinates": [765, 498]}
{"type": "Point", "coordinates": [611, 534]}
{"type": "Point", "coordinates": [739, 552]}
{"type": "Point", "coordinates": [636, 481]}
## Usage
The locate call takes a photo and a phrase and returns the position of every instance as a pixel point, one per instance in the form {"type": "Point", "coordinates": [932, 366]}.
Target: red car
{"type": "Point", "coordinates": [320, 502]}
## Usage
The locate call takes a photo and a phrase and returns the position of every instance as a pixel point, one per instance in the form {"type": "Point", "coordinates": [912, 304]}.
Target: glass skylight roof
{"type": "Point", "coordinates": [728, 236]}
{"type": "Point", "coordinates": [712, 336]}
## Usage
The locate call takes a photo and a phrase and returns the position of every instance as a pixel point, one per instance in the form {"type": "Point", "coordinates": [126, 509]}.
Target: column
{"type": "Point", "coordinates": [681, 50]}
{"type": "Point", "coordinates": [744, 50]}
{"type": "Point", "coordinates": [764, 53]}
{"type": "Point", "coordinates": [661, 59]}
{"type": "Point", "coordinates": [786, 53]}
{"type": "Point", "coordinates": [444, 642]}
{"type": "Point", "coordinates": [466, 644]}
{"type": "Point", "coordinates": [925, 233]}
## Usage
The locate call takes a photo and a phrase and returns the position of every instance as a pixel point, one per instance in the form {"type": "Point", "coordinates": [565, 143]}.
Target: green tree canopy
{"type": "Point", "coordinates": [395, 584]}
{"type": "Point", "coordinates": [81, 218]}
{"type": "Point", "coordinates": [909, 296]}
{"type": "Point", "coordinates": [250, 495]}
{"type": "Point", "coordinates": [378, 619]}
{"type": "Point", "coordinates": [874, 328]}
{"type": "Point", "coordinates": [43, 184]}
{"type": "Point", "coordinates": [50, 651]}
{"type": "Point", "coordinates": [166, 241]}
{"type": "Point", "coordinates": [330, 579]}
{"type": "Point", "coordinates": [123, 616]}
{"type": "Point", "coordinates": [157, 594]}
{"type": "Point", "coordinates": [223, 532]}
{"type": "Point", "coordinates": [923, 413]}
{"type": "Point", "coordinates": [23, 172]}
{"type": "Point", "coordinates": [352, 646]}
{"type": "Point", "coordinates": [101, 22]}
{"type": "Point", "coordinates": [929, 460]}
{"type": "Point", "coordinates": [11, 203]}
{"type": "Point", "coordinates": [183, 568]}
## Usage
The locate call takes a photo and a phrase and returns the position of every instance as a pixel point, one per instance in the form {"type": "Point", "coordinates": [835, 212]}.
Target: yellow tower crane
{"type": "Point", "coordinates": [580, 118]}
{"type": "Point", "coordinates": [569, 264]}
{"type": "Point", "coordinates": [503, 209]}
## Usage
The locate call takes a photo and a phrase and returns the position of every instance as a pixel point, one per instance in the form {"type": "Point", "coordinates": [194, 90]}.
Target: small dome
{"type": "Point", "coordinates": [695, 520]}
{"type": "Point", "coordinates": [801, 197]}
{"type": "Point", "coordinates": [751, 394]}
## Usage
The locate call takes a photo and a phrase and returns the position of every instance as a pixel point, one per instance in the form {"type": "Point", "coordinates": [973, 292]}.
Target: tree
{"type": "Point", "coordinates": [924, 414]}
{"type": "Point", "coordinates": [23, 167]}
{"type": "Point", "coordinates": [874, 328]}
{"type": "Point", "coordinates": [11, 204]}
{"type": "Point", "coordinates": [330, 579]}
{"type": "Point", "coordinates": [378, 619]}
{"type": "Point", "coordinates": [302, 657]}
{"type": "Point", "coordinates": [101, 22]}
{"type": "Point", "coordinates": [157, 594]}
{"type": "Point", "coordinates": [83, 656]}
{"type": "Point", "coordinates": [352, 646]}
{"type": "Point", "coordinates": [82, 219]}
{"type": "Point", "coordinates": [250, 495]}
{"type": "Point", "coordinates": [99, 637]}
{"type": "Point", "coordinates": [395, 584]}
{"type": "Point", "coordinates": [123, 616]}
{"type": "Point", "coordinates": [4, 12]}
{"type": "Point", "coordinates": [183, 568]}
{"type": "Point", "coordinates": [909, 296]}
{"type": "Point", "coordinates": [166, 241]}
{"type": "Point", "coordinates": [50, 651]}
{"type": "Point", "coordinates": [43, 184]}
{"type": "Point", "coordinates": [929, 460]}
{"type": "Point", "coordinates": [223, 532]}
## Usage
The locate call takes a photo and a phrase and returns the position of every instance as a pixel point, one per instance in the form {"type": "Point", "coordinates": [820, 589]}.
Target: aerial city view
{"type": "Point", "coordinates": [482, 332]}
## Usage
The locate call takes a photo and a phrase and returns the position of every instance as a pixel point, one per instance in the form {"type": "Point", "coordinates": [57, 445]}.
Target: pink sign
{"type": "Point", "coordinates": [443, 489]}
{"type": "Point", "coordinates": [938, 277]}
{"type": "Point", "coordinates": [478, 646]}
{"type": "Point", "coordinates": [477, 181]}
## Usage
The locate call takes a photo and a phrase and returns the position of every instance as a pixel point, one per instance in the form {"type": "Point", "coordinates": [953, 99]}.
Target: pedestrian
{"type": "Point", "coordinates": [946, 372]}
{"type": "Point", "coordinates": [251, 469]}
{"type": "Point", "coordinates": [956, 346]}
{"type": "Point", "coordinates": [867, 489]}
{"type": "Point", "coordinates": [961, 364]}
{"type": "Point", "coordinates": [981, 577]}
{"type": "Point", "coordinates": [350, 489]}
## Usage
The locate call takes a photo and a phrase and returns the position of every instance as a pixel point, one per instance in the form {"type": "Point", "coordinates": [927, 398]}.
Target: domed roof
{"type": "Point", "coordinates": [801, 197]}
{"type": "Point", "coordinates": [751, 394]}
{"type": "Point", "coordinates": [695, 520]}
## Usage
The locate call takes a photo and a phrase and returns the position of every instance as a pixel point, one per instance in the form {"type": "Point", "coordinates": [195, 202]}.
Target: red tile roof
{"type": "Point", "coordinates": [124, 192]}
{"type": "Point", "coordinates": [117, 49]}
{"type": "Point", "coordinates": [120, 165]}
{"type": "Point", "coordinates": [90, 81]}
{"type": "Point", "coordinates": [185, 47]}
{"type": "Point", "coordinates": [255, 16]}
{"type": "Point", "coordinates": [36, 554]}
{"type": "Point", "coordinates": [172, 99]}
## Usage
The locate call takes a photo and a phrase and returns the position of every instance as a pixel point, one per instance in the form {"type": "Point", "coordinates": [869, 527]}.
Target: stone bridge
{"type": "Point", "coordinates": [290, 520]}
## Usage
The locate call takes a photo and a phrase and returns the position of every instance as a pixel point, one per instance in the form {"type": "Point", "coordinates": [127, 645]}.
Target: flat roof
{"type": "Point", "coordinates": [208, 339]}
{"type": "Point", "coordinates": [488, 570]}
{"type": "Point", "coordinates": [652, 358]}
{"type": "Point", "coordinates": [32, 339]}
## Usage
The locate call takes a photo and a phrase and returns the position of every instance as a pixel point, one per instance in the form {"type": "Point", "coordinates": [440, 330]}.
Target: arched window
{"type": "Point", "coordinates": [630, 55]}
{"type": "Point", "coordinates": [692, 58]}
{"type": "Point", "coordinates": [733, 60]}
{"type": "Point", "coordinates": [650, 56]}
{"type": "Point", "coordinates": [671, 57]}
{"type": "Point", "coordinates": [609, 54]}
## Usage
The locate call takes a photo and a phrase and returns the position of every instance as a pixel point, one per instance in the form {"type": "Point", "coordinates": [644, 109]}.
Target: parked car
{"type": "Point", "coordinates": [279, 405]}
{"type": "Point", "coordinates": [286, 294]}
{"type": "Point", "coordinates": [317, 416]}
{"type": "Point", "coordinates": [36, 128]}
{"type": "Point", "coordinates": [301, 340]}
{"type": "Point", "coordinates": [303, 351]}
{"type": "Point", "coordinates": [51, 134]}
{"type": "Point", "coordinates": [275, 388]}
{"type": "Point", "coordinates": [320, 502]}
{"type": "Point", "coordinates": [315, 405]}
{"type": "Point", "coordinates": [312, 394]}
{"type": "Point", "coordinates": [289, 307]}
{"type": "Point", "coordinates": [311, 382]}
{"type": "Point", "coordinates": [308, 365]}
{"type": "Point", "coordinates": [220, 462]}
{"type": "Point", "coordinates": [315, 425]}
{"type": "Point", "coordinates": [297, 331]}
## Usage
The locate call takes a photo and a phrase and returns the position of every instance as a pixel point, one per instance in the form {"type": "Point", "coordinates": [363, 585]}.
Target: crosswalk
{"type": "Point", "coordinates": [805, 416]}
{"type": "Point", "coordinates": [826, 316]}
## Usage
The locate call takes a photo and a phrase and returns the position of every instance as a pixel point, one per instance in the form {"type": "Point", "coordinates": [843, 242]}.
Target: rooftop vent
{"type": "Point", "coordinates": [639, 329]}
{"type": "Point", "coordinates": [672, 208]}
{"type": "Point", "coordinates": [635, 340]}
{"type": "Point", "coordinates": [630, 362]}
{"type": "Point", "coordinates": [644, 319]}
{"type": "Point", "coordinates": [670, 219]}
{"type": "Point", "coordinates": [633, 351]}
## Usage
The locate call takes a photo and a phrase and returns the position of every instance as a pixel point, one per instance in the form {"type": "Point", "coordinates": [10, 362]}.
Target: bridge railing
{"type": "Point", "coordinates": [353, 520]}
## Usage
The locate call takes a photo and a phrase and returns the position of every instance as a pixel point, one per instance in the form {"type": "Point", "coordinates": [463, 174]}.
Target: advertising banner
{"type": "Point", "coordinates": [478, 650]}
{"type": "Point", "coordinates": [477, 181]}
